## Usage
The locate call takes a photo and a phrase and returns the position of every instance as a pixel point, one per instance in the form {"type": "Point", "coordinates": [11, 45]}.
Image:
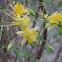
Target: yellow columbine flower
{"type": "Point", "coordinates": [54, 20]}
{"type": "Point", "coordinates": [19, 9]}
{"type": "Point", "coordinates": [23, 22]}
{"type": "Point", "coordinates": [28, 34]}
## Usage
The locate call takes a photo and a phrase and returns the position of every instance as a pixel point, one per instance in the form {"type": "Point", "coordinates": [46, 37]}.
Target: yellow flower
{"type": "Point", "coordinates": [54, 20]}
{"type": "Point", "coordinates": [28, 34]}
{"type": "Point", "coordinates": [19, 9]}
{"type": "Point", "coordinates": [23, 22]}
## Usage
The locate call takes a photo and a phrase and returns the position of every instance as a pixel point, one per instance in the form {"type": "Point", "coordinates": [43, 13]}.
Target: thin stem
{"type": "Point", "coordinates": [58, 54]}
{"type": "Point", "coordinates": [44, 37]}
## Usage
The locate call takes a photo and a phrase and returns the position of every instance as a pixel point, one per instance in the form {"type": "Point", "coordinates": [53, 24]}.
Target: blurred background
{"type": "Point", "coordinates": [8, 33]}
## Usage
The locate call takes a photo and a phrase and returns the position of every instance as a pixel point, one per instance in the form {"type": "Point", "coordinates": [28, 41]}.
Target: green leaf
{"type": "Point", "coordinates": [0, 25]}
{"type": "Point", "coordinates": [34, 44]}
{"type": "Point", "coordinates": [28, 0]}
{"type": "Point", "coordinates": [11, 33]}
{"type": "Point", "coordinates": [21, 52]}
{"type": "Point", "coordinates": [44, 1]}
{"type": "Point", "coordinates": [23, 0]}
{"type": "Point", "coordinates": [11, 45]}
{"type": "Point", "coordinates": [41, 4]}
{"type": "Point", "coordinates": [19, 58]}
{"type": "Point", "coordinates": [40, 37]}
{"type": "Point", "coordinates": [0, 31]}
{"type": "Point", "coordinates": [3, 47]}
{"type": "Point", "coordinates": [43, 40]}
{"type": "Point", "coordinates": [61, 60]}
{"type": "Point", "coordinates": [38, 33]}
{"type": "Point", "coordinates": [59, 31]}
{"type": "Point", "coordinates": [39, 45]}
{"type": "Point", "coordinates": [37, 60]}
{"type": "Point", "coordinates": [1, 7]}
{"type": "Point", "coordinates": [17, 1]}
{"type": "Point", "coordinates": [32, 60]}
{"type": "Point", "coordinates": [31, 12]}
{"type": "Point", "coordinates": [43, 24]}
{"type": "Point", "coordinates": [34, 20]}
{"type": "Point", "coordinates": [60, 4]}
{"type": "Point", "coordinates": [60, 24]}
{"type": "Point", "coordinates": [19, 44]}
{"type": "Point", "coordinates": [50, 47]}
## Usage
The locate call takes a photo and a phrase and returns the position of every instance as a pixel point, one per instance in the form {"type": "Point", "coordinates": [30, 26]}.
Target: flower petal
{"type": "Point", "coordinates": [20, 33]}
{"type": "Point", "coordinates": [30, 41]}
{"type": "Point", "coordinates": [52, 26]}
{"type": "Point", "coordinates": [34, 29]}
{"type": "Point", "coordinates": [33, 38]}
{"type": "Point", "coordinates": [23, 41]}
{"type": "Point", "coordinates": [23, 11]}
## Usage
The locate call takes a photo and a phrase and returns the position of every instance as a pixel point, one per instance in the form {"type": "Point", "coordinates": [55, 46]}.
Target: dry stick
{"type": "Point", "coordinates": [44, 37]}
{"type": "Point", "coordinates": [58, 54]}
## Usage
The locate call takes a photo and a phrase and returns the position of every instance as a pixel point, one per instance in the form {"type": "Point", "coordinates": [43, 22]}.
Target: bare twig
{"type": "Point", "coordinates": [58, 54]}
{"type": "Point", "coordinates": [44, 37]}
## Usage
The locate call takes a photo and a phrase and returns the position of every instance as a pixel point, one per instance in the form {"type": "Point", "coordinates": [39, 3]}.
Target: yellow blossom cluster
{"type": "Point", "coordinates": [54, 20]}
{"type": "Point", "coordinates": [22, 20]}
